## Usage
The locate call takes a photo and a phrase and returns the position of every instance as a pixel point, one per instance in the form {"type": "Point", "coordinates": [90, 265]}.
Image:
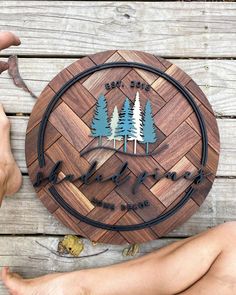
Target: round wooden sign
{"type": "Point", "coordinates": [122, 146]}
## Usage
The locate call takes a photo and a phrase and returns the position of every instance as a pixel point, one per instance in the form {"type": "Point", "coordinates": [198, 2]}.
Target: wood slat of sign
{"type": "Point", "coordinates": [178, 148]}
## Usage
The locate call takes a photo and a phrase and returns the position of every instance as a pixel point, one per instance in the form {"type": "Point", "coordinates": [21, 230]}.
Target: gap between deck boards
{"type": "Point", "coordinates": [71, 56]}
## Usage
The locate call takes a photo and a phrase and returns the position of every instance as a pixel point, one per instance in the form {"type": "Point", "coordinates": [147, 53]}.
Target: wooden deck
{"type": "Point", "coordinates": [198, 37]}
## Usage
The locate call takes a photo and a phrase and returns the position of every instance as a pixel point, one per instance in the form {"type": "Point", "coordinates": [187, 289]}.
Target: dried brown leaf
{"type": "Point", "coordinates": [3, 66]}
{"type": "Point", "coordinates": [61, 249]}
{"type": "Point", "coordinates": [71, 244]}
{"type": "Point", "coordinates": [125, 252]}
{"type": "Point", "coordinates": [14, 73]}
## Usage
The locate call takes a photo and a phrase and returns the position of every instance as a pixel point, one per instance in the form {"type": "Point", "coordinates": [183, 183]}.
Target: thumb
{"type": "Point", "coordinates": [11, 280]}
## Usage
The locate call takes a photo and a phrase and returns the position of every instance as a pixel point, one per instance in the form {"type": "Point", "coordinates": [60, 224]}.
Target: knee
{"type": "Point", "coordinates": [227, 231]}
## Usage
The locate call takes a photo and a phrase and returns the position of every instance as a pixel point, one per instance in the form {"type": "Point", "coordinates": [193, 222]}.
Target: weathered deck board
{"type": "Point", "coordinates": [78, 28]}
{"type": "Point", "coordinates": [24, 213]}
{"type": "Point", "coordinates": [227, 163]}
{"type": "Point", "coordinates": [26, 257]}
{"type": "Point", "coordinates": [215, 77]}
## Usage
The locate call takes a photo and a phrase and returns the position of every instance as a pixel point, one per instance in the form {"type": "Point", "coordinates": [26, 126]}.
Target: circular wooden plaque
{"type": "Point", "coordinates": [122, 146]}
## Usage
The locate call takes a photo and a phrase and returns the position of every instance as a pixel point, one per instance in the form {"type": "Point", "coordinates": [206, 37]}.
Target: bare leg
{"type": "Point", "coordinates": [171, 272]}
{"type": "Point", "coordinates": [10, 175]}
{"type": "Point", "coordinates": [221, 277]}
{"type": "Point", "coordinates": [205, 263]}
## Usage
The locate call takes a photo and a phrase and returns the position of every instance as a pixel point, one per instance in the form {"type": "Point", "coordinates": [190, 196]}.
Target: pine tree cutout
{"type": "Point", "coordinates": [137, 119]}
{"type": "Point", "coordinates": [149, 132]}
{"type": "Point", "coordinates": [113, 126]}
{"type": "Point", "coordinates": [100, 125]}
{"type": "Point", "coordinates": [125, 125]}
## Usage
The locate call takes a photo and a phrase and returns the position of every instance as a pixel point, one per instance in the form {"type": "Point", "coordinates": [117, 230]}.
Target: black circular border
{"type": "Point", "coordinates": [64, 88]}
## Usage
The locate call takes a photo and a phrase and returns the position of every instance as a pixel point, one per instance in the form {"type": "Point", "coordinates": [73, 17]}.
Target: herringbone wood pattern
{"type": "Point", "coordinates": [68, 133]}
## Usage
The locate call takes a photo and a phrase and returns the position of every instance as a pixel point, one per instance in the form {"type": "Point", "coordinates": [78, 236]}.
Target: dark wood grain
{"type": "Point", "coordinates": [166, 90]}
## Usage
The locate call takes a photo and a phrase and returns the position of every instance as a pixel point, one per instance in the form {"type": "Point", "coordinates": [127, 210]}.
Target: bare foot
{"type": "Point", "coordinates": [10, 175]}
{"type": "Point", "coordinates": [52, 284]}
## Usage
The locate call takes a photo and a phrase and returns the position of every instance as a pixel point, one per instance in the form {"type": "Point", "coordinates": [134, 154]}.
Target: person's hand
{"type": "Point", "coordinates": [10, 175]}
{"type": "Point", "coordinates": [8, 39]}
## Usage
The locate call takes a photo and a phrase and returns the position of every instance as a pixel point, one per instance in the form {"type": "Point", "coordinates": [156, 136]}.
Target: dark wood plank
{"type": "Point", "coordinates": [51, 136]}
{"type": "Point", "coordinates": [72, 162]}
{"type": "Point", "coordinates": [166, 90]}
{"type": "Point", "coordinates": [179, 143]}
{"type": "Point", "coordinates": [73, 196]}
{"type": "Point", "coordinates": [101, 190]}
{"type": "Point", "coordinates": [40, 107]}
{"type": "Point", "coordinates": [69, 222]}
{"type": "Point", "coordinates": [47, 200]}
{"type": "Point", "coordinates": [103, 214]}
{"type": "Point", "coordinates": [155, 99]}
{"type": "Point", "coordinates": [136, 236]}
{"type": "Point", "coordinates": [168, 190]}
{"type": "Point", "coordinates": [211, 127]}
{"type": "Point", "coordinates": [173, 114]}
{"type": "Point", "coordinates": [175, 220]}
{"type": "Point", "coordinates": [155, 208]}
{"type": "Point", "coordinates": [194, 155]}
{"type": "Point", "coordinates": [147, 164]}
{"type": "Point", "coordinates": [79, 99]}
{"type": "Point", "coordinates": [144, 58]}
{"type": "Point", "coordinates": [94, 82]}
{"type": "Point", "coordinates": [70, 126]}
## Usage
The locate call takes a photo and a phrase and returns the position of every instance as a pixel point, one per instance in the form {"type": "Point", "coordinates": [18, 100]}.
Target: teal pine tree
{"type": "Point", "coordinates": [100, 124]}
{"type": "Point", "coordinates": [125, 125]}
{"type": "Point", "coordinates": [149, 132]}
